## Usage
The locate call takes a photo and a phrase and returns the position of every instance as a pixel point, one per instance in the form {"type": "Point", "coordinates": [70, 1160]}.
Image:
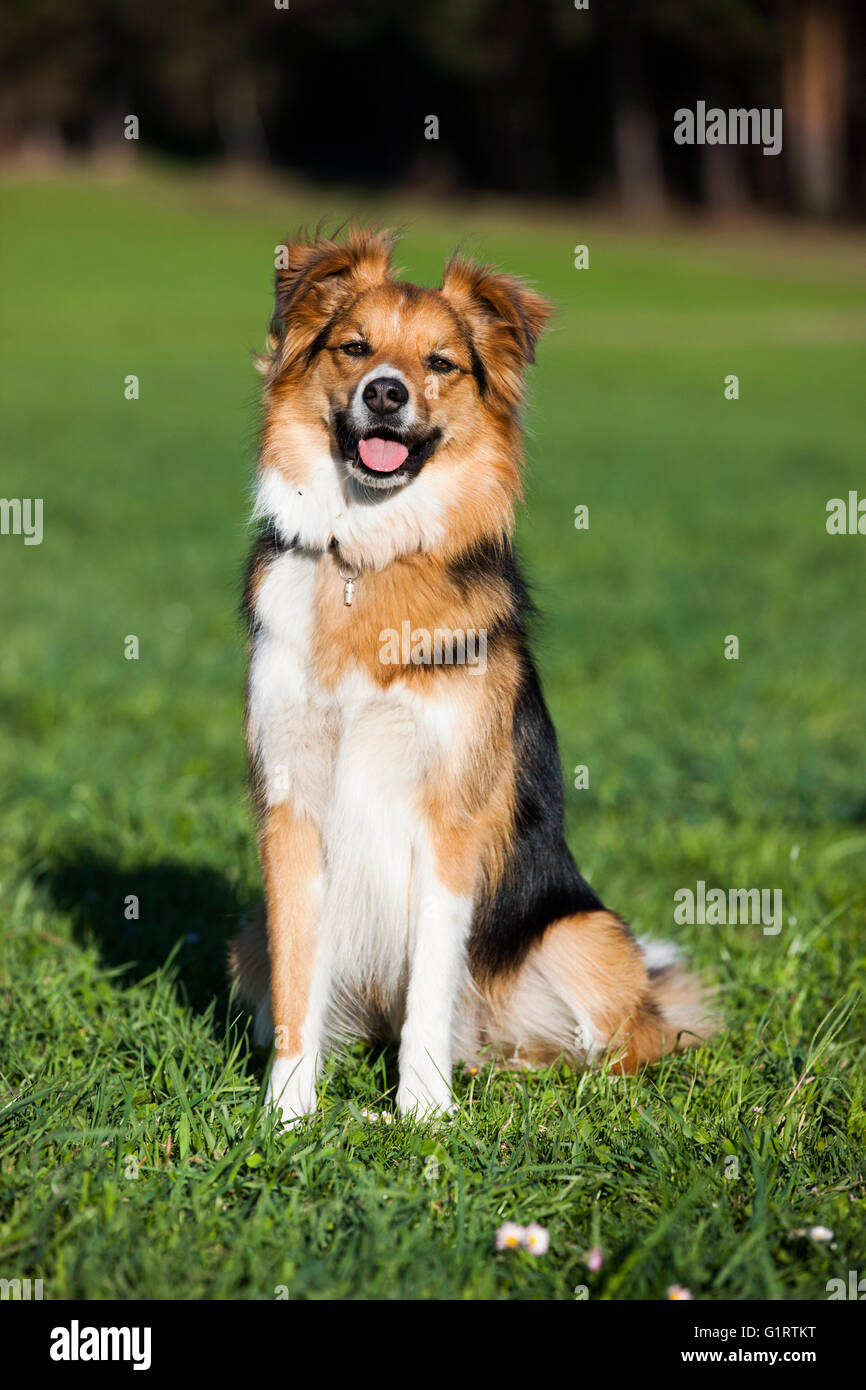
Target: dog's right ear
{"type": "Point", "coordinates": [315, 279]}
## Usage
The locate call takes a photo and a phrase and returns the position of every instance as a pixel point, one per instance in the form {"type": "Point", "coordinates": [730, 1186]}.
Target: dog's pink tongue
{"type": "Point", "coordinates": [382, 455]}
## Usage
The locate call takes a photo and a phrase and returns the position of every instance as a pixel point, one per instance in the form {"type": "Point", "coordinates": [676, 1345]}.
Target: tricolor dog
{"type": "Point", "coordinates": [417, 880]}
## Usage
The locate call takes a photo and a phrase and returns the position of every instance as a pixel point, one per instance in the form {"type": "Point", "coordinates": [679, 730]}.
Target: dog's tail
{"type": "Point", "coordinates": [250, 972]}
{"type": "Point", "coordinates": [587, 988]}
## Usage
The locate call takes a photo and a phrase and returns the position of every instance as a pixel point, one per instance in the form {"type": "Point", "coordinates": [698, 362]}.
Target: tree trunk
{"type": "Point", "coordinates": [638, 166]}
{"type": "Point", "coordinates": [814, 78]}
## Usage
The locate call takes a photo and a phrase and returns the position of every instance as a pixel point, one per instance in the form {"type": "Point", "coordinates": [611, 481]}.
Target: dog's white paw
{"type": "Point", "coordinates": [423, 1092]}
{"type": "Point", "coordinates": [292, 1089]}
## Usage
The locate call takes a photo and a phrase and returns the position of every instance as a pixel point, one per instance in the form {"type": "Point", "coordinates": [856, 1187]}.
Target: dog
{"type": "Point", "coordinates": [418, 886]}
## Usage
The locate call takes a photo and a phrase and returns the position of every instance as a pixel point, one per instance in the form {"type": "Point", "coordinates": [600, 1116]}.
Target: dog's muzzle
{"type": "Point", "coordinates": [383, 456]}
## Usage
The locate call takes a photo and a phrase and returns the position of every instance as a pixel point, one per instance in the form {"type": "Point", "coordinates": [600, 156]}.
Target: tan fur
{"type": "Point", "coordinates": [469, 803]}
{"type": "Point", "coordinates": [505, 316]}
{"type": "Point", "coordinates": [590, 968]}
{"type": "Point", "coordinates": [291, 863]}
{"type": "Point", "coordinates": [416, 589]}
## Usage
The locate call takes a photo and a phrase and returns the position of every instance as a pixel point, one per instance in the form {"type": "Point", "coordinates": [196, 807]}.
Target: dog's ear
{"type": "Point", "coordinates": [505, 318]}
{"type": "Point", "coordinates": [315, 278]}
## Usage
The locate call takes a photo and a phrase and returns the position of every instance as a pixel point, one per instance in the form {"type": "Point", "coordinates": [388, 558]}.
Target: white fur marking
{"type": "Point", "coordinates": [371, 531]}
{"type": "Point", "coordinates": [659, 955]}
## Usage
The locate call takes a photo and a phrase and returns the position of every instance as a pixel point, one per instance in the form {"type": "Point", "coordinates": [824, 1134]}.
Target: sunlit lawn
{"type": "Point", "coordinates": [134, 1159]}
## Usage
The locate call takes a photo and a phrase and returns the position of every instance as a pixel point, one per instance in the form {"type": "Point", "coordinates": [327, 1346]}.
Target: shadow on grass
{"type": "Point", "coordinates": [193, 911]}
{"type": "Point", "coordinates": [192, 908]}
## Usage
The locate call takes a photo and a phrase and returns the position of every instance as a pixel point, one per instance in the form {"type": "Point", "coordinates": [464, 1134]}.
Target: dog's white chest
{"type": "Point", "coordinates": [355, 760]}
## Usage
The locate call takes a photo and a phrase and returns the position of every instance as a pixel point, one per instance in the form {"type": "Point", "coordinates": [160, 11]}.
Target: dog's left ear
{"type": "Point", "coordinates": [505, 318]}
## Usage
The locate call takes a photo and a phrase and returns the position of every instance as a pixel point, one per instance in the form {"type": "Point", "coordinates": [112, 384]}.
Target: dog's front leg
{"type": "Point", "coordinates": [291, 855]}
{"type": "Point", "coordinates": [440, 927]}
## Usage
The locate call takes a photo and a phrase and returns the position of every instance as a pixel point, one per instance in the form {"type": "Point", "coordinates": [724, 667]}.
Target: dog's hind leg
{"type": "Point", "coordinates": [587, 988]}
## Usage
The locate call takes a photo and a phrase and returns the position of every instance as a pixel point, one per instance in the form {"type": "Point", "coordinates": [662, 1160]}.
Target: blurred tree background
{"type": "Point", "coordinates": [533, 97]}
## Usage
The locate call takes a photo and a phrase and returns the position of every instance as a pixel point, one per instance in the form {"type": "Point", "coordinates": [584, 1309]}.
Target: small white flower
{"type": "Point", "coordinates": [509, 1236]}
{"type": "Point", "coordinates": [677, 1293]}
{"type": "Point", "coordinates": [536, 1239]}
{"type": "Point", "coordinates": [822, 1234]}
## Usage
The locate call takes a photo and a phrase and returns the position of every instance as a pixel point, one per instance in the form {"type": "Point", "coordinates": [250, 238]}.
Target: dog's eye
{"type": "Point", "coordinates": [440, 364]}
{"type": "Point", "coordinates": [355, 349]}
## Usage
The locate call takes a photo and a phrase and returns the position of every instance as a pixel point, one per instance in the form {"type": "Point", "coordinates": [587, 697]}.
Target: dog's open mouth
{"type": "Point", "coordinates": [382, 458]}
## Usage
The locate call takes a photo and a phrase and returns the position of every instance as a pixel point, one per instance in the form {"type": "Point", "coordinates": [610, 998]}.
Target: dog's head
{"type": "Point", "coordinates": [391, 380]}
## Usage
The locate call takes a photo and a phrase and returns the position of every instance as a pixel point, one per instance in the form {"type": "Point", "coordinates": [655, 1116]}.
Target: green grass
{"type": "Point", "coordinates": [135, 1159]}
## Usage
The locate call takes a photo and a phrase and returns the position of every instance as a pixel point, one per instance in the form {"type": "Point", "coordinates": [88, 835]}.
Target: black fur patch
{"type": "Point", "coordinates": [541, 882]}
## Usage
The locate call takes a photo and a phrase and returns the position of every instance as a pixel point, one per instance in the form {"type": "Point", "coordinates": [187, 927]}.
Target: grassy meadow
{"type": "Point", "coordinates": [135, 1159]}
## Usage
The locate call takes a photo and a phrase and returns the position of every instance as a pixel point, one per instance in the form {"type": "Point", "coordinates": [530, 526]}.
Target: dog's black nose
{"type": "Point", "coordinates": [384, 395]}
